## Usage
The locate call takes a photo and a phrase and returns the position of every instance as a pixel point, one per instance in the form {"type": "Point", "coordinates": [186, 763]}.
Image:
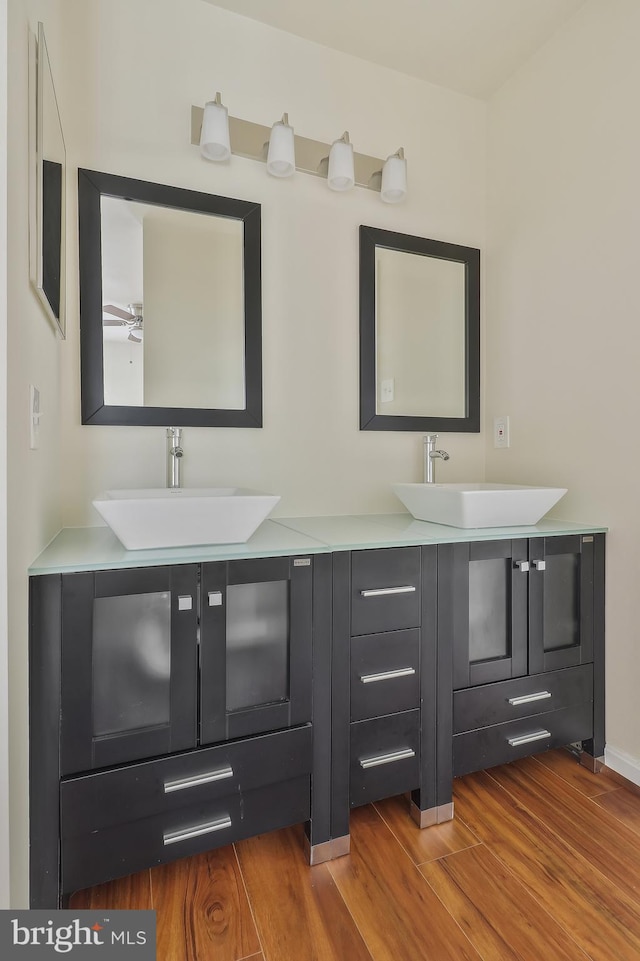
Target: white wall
{"type": "Point", "coordinates": [562, 317]}
{"type": "Point", "coordinates": [126, 73]}
{"type": "Point", "coordinates": [33, 494]}
{"type": "Point", "coordinates": [133, 69]}
{"type": "Point", "coordinates": [4, 663]}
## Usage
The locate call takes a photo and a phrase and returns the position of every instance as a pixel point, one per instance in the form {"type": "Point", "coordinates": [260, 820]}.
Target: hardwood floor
{"type": "Point", "coordinates": [542, 863]}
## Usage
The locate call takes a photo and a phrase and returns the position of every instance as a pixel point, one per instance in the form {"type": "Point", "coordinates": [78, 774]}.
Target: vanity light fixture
{"type": "Point", "coordinates": [214, 138]}
{"type": "Point", "coordinates": [393, 188]}
{"type": "Point", "coordinates": [220, 135]}
{"type": "Point", "coordinates": [341, 173]}
{"type": "Point", "coordinates": [281, 156]}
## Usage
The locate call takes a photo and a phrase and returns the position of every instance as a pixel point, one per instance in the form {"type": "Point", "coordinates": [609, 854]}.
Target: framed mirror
{"type": "Point", "coordinates": [48, 200]}
{"type": "Point", "coordinates": [170, 305]}
{"type": "Point", "coordinates": [419, 333]}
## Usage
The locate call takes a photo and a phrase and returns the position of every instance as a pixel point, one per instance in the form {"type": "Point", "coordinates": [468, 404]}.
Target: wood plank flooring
{"type": "Point", "coordinates": [541, 863]}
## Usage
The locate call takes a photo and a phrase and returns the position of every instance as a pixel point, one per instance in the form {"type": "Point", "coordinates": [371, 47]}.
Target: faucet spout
{"type": "Point", "coordinates": [430, 455]}
{"type": "Point", "coordinates": [175, 453]}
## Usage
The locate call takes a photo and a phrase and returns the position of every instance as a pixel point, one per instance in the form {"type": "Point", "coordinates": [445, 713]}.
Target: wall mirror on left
{"type": "Point", "coordinates": [47, 187]}
{"type": "Point", "coordinates": [170, 305]}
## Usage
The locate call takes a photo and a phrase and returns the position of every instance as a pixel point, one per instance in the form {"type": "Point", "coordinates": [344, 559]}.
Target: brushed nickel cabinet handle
{"type": "Point", "coordinates": [522, 566]}
{"type": "Point", "coordinates": [528, 738]}
{"type": "Point", "coordinates": [529, 698]}
{"type": "Point", "coordinates": [173, 837]}
{"type": "Point", "coordinates": [384, 591]}
{"type": "Point", "coordinates": [181, 784]}
{"type": "Point", "coordinates": [387, 675]}
{"type": "Point", "coordinates": [539, 565]}
{"type": "Point", "coordinates": [377, 759]}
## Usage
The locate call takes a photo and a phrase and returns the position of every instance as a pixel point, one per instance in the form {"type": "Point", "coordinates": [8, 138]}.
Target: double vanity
{"type": "Point", "coordinates": [284, 671]}
{"type": "Point", "coordinates": [183, 698]}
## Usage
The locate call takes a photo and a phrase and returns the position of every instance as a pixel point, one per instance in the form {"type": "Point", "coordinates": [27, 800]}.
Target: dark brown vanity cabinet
{"type": "Point", "coordinates": [385, 678]}
{"type": "Point", "coordinates": [524, 619]}
{"type": "Point", "coordinates": [129, 658]}
{"type": "Point", "coordinates": [171, 712]}
{"type": "Point", "coordinates": [178, 708]}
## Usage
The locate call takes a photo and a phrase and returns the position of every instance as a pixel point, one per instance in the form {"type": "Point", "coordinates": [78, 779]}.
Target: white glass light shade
{"type": "Point", "coordinates": [281, 157]}
{"type": "Point", "coordinates": [214, 138]}
{"type": "Point", "coordinates": [394, 180]}
{"type": "Point", "coordinates": [341, 174]}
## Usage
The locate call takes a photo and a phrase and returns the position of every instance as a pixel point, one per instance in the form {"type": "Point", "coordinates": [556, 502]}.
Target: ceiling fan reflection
{"type": "Point", "coordinates": [131, 319]}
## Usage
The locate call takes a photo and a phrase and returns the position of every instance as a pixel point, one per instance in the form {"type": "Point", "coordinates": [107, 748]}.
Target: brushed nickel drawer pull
{"type": "Point", "coordinates": [378, 759]}
{"type": "Point", "coordinates": [387, 675]}
{"type": "Point", "coordinates": [529, 698]}
{"type": "Point", "coordinates": [183, 783]}
{"type": "Point", "coordinates": [384, 591]}
{"type": "Point", "coordinates": [528, 738]}
{"type": "Point", "coordinates": [173, 837]}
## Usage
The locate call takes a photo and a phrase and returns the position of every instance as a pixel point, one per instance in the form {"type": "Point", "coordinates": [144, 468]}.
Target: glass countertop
{"type": "Point", "coordinates": [97, 548]}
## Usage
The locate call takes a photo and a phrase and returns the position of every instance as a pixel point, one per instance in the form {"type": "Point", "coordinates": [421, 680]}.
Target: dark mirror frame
{"type": "Point", "coordinates": [93, 185]}
{"type": "Point", "coordinates": [370, 238]}
{"type": "Point", "coordinates": [47, 187]}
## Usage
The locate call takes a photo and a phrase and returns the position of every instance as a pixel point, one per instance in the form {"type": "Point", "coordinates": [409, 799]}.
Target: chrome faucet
{"type": "Point", "coordinates": [175, 454]}
{"type": "Point", "coordinates": [430, 454]}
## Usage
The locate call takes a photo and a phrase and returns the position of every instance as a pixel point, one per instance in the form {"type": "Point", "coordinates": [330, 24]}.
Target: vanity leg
{"type": "Point", "coordinates": [340, 704]}
{"type": "Point", "coordinates": [44, 718]}
{"type": "Point", "coordinates": [327, 833]}
{"type": "Point", "coordinates": [327, 850]}
{"type": "Point", "coordinates": [318, 828]}
{"type": "Point", "coordinates": [430, 816]}
{"type": "Point", "coordinates": [592, 754]}
{"type": "Point", "coordinates": [593, 764]}
{"type": "Point", "coordinates": [432, 803]}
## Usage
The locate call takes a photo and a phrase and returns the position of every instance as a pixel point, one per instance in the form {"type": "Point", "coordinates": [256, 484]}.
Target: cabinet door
{"type": "Point", "coordinates": [560, 602]}
{"type": "Point", "coordinates": [255, 646]}
{"type": "Point", "coordinates": [129, 665]}
{"type": "Point", "coordinates": [486, 590]}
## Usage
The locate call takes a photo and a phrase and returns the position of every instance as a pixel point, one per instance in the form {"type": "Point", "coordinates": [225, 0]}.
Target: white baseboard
{"type": "Point", "coordinates": [623, 764]}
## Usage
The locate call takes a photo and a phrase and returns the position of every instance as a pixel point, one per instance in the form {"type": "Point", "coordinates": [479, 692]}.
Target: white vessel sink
{"type": "Point", "coordinates": [478, 505]}
{"type": "Point", "coordinates": [160, 517]}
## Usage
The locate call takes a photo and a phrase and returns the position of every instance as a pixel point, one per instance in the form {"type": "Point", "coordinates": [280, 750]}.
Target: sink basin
{"type": "Point", "coordinates": [160, 517]}
{"type": "Point", "coordinates": [478, 505]}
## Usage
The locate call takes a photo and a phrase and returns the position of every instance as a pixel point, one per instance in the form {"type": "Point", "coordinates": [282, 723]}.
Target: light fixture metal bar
{"type": "Point", "coordinates": [250, 140]}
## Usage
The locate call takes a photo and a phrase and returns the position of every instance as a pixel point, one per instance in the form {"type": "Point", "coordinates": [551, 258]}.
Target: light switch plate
{"type": "Point", "coordinates": [34, 417]}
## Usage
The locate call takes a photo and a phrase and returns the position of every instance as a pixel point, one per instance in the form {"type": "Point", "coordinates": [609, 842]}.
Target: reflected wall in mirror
{"type": "Point", "coordinates": [170, 305]}
{"type": "Point", "coordinates": [48, 162]}
{"type": "Point", "coordinates": [419, 333]}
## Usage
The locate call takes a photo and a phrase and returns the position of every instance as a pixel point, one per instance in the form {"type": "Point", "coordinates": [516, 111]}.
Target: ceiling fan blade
{"type": "Point", "coordinates": [107, 322]}
{"type": "Point", "coordinates": [117, 312]}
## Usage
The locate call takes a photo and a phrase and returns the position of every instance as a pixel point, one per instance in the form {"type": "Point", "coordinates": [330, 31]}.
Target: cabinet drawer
{"type": "Point", "coordinates": [385, 757]}
{"type": "Point", "coordinates": [385, 590]}
{"type": "Point", "coordinates": [521, 697]}
{"type": "Point", "coordinates": [490, 746]}
{"type": "Point", "coordinates": [97, 856]}
{"type": "Point", "coordinates": [97, 801]}
{"type": "Point", "coordinates": [385, 676]}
